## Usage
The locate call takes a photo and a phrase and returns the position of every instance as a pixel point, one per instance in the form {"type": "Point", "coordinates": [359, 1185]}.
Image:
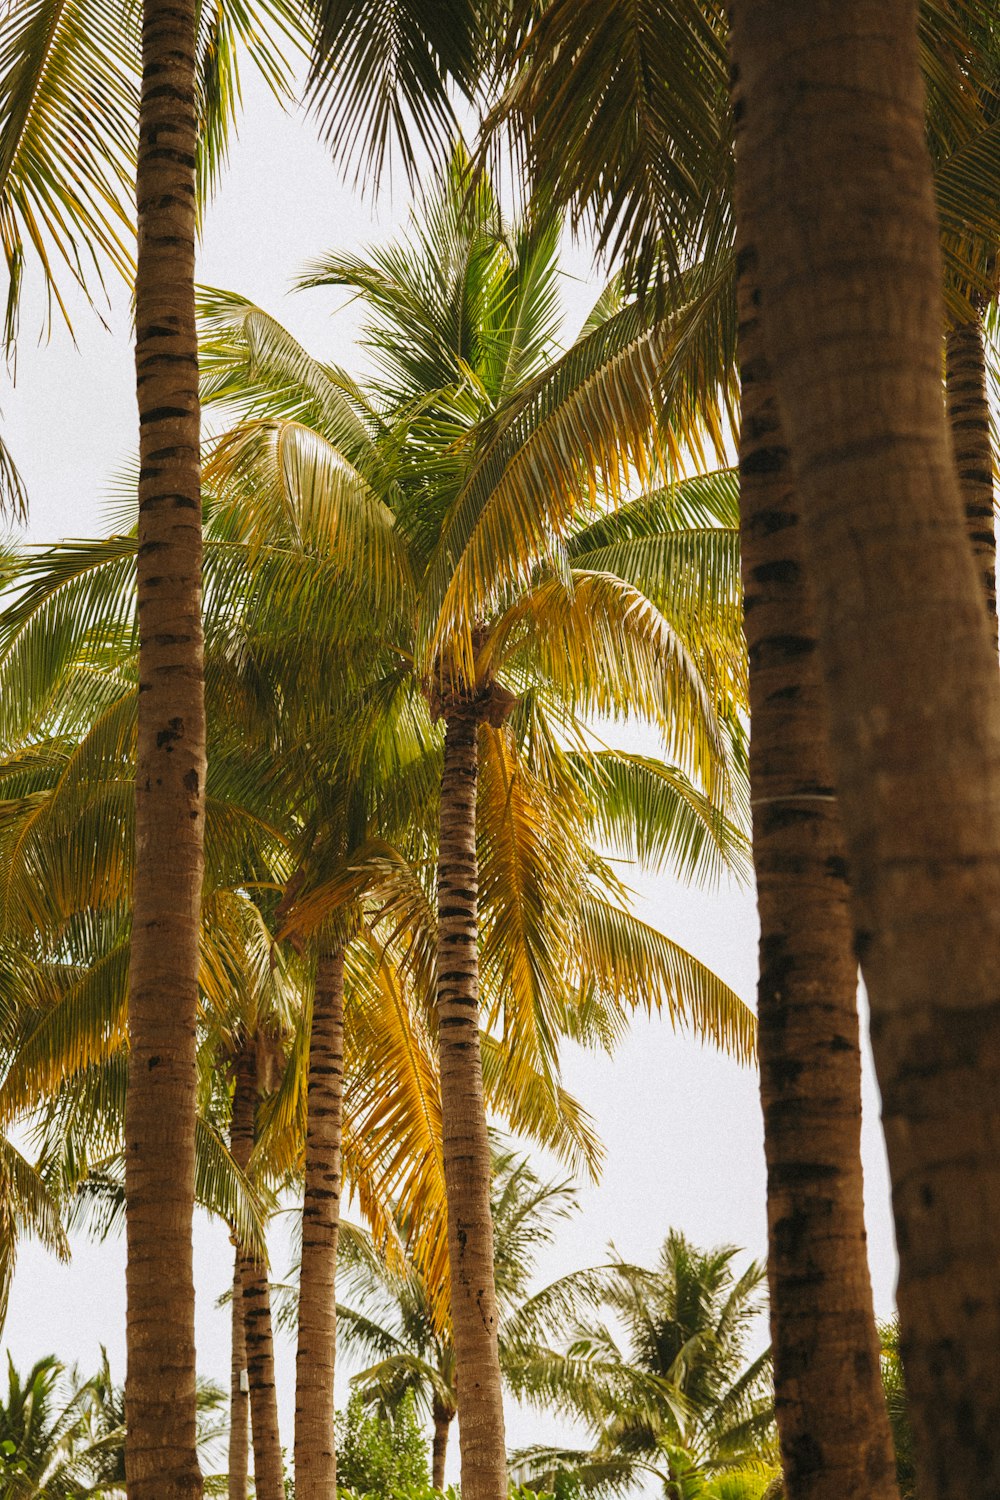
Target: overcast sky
{"type": "Point", "coordinates": [681, 1125]}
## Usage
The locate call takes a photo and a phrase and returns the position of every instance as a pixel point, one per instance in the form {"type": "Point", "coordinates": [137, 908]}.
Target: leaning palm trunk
{"type": "Point", "coordinates": [239, 1404]}
{"type": "Point", "coordinates": [831, 153]}
{"type": "Point", "coordinates": [315, 1456]}
{"type": "Point", "coordinates": [465, 1144]}
{"type": "Point", "coordinates": [969, 420]}
{"type": "Point", "coordinates": [443, 1418]}
{"type": "Point", "coordinates": [161, 1456]}
{"type": "Point", "coordinates": [832, 1419]}
{"type": "Point", "coordinates": [269, 1479]}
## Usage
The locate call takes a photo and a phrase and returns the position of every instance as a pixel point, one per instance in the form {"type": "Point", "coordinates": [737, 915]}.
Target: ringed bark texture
{"type": "Point", "coordinates": [969, 419]}
{"type": "Point", "coordinates": [443, 1418]}
{"type": "Point", "coordinates": [465, 1144]}
{"type": "Point", "coordinates": [268, 1469]}
{"type": "Point", "coordinates": [831, 153]}
{"type": "Point", "coordinates": [832, 1419]}
{"type": "Point", "coordinates": [239, 1400]}
{"type": "Point", "coordinates": [315, 1456]}
{"type": "Point", "coordinates": [161, 1456]}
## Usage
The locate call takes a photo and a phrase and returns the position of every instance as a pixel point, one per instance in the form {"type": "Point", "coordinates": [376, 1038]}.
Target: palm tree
{"type": "Point", "coordinates": [680, 1398]}
{"type": "Point", "coordinates": [398, 1321]}
{"type": "Point", "coordinates": [43, 1436]}
{"type": "Point", "coordinates": [915, 708]}
{"type": "Point", "coordinates": [485, 490]}
{"type": "Point", "coordinates": [899, 1416]}
{"type": "Point", "coordinates": [63, 1437]}
{"type": "Point", "coordinates": [161, 1455]}
{"type": "Point", "coordinates": [579, 86]}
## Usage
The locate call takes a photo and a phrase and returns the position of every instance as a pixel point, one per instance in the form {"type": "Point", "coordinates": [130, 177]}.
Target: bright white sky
{"type": "Point", "coordinates": [681, 1125]}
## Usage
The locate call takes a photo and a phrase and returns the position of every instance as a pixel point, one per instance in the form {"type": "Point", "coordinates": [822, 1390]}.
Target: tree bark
{"type": "Point", "coordinates": [269, 1478]}
{"type": "Point", "coordinates": [832, 155]}
{"type": "Point", "coordinates": [170, 780]}
{"type": "Point", "coordinates": [239, 1403]}
{"type": "Point", "coordinates": [443, 1418]}
{"type": "Point", "coordinates": [969, 419]}
{"type": "Point", "coordinates": [315, 1455]}
{"type": "Point", "coordinates": [830, 1406]}
{"type": "Point", "coordinates": [465, 1143]}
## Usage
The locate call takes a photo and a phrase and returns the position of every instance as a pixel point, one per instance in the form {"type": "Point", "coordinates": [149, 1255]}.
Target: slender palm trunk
{"type": "Point", "coordinates": [832, 1419]}
{"type": "Point", "coordinates": [315, 1456]}
{"type": "Point", "coordinates": [269, 1479]}
{"type": "Point", "coordinates": [832, 155]}
{"type": "Point", "coordinates": [239, 1401]}
{"type": "Point", "coordinates": [465, 1144]}
{"type": "Point", "coordinates": [443, 1418]}
{"type": "Point", "coordinates": [969, 419]}
{"type": "Point", "coordinates": [161, 1455]}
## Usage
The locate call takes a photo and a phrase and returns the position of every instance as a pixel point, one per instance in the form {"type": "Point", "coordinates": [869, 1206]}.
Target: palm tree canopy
{"type": "Point", "coordinates": [670, 1387]}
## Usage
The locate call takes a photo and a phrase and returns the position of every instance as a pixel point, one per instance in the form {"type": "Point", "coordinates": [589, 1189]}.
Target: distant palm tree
{"type": "Point", "coordinates": [63, 1437]}
{"type": "Point", "coordinates": [400, 1328]}
{"type": "Point", "coordinates": [894, 1385]}
{"type": "Point", "coordinates": [679, 1398]}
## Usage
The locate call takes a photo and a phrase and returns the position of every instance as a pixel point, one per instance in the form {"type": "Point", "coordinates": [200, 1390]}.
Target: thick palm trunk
{"type": "Point", "coordinates": [832, 1419]}
{"type": "Point", "coordinates": [239, 1403]}
{"type": "Point", "coordinates": [315, 1456]}
{"type": "Point", "coordinates": [831, 153]}
{"type": "Point", "coordinates": [969, 420]}
{"type": "Point", "coordinates": [443, 1419]}
{"type": "Point", "coordinates": [161, 1456]}
{"type": "Point", "coordinates": [269, 1479]}
{"type": "Point", "coordinates": [465, 1144]}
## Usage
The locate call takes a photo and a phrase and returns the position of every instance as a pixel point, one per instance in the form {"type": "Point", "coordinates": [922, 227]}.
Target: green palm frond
{"type": "Point", "coordinates": [650, 77]}
{"type": "Point", "coordinates": [631, 964]}
{"type": "Point", "coordinates": [27, 1209]}
{"type": "Point", "coordinates": [273, 36]}
{"type": "Point", "coordinates": [607, 649]}
{"type": "Point", "coordinates": [68, 106]}
{"type": "Point", "coordinates": [653, 812]}
{"type": "Point", "coordinates": [382, 76]}
{"type": "Point", "coordinates": [249, 363]}
{"type": "Point", "coordinates": [586, 423]}
{"type": "Point", "coordinates": [308, 496]}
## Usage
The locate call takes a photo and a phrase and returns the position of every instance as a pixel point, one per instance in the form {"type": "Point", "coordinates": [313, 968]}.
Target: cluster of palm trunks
{"type": "Point", "coordinates": [801, 200]}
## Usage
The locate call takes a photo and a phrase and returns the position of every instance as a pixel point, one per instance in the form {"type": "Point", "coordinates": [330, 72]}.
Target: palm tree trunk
{"type": "Point", "coordinates": [443, 1419]}
{"type": "Point", "coordinates": [170, 780]}
{"type": "Point", "coordinates": [832, 1419]}
{"type": "Point", "coordinates": [315, 1455]}
{"type": "Point", "coordinates": [465, 1143]}
{"type": "Point", "coordinates": [269, 1479]}
{"type": "Point", "coordinates": [969, 419]}
{"type": "Point", "coordinates": [832, 155]}
{"type": "Point", "coordinates": [239, 1405]}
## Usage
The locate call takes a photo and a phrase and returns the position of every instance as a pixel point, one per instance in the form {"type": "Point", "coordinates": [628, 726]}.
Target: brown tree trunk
{"type": "Point", "coordinates": [831, 154]}
{"type": "Point", "coordinates": [269, 1479]}
{"type": "Point", "coordinates": [465, 1143]}
{"type": "Point", "coordinates": [832, 1419]}
{"type": "Point", "coordinates": [315, 1455]}
{"type": "Point", "coordinates": [161, 1454]}
{"type": "Point", "coordinates": [969, 419]}
{"type": "Point", "coordinates": [443, 1418]}
{"type": "Point", "coordinates": [239, 1403]}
